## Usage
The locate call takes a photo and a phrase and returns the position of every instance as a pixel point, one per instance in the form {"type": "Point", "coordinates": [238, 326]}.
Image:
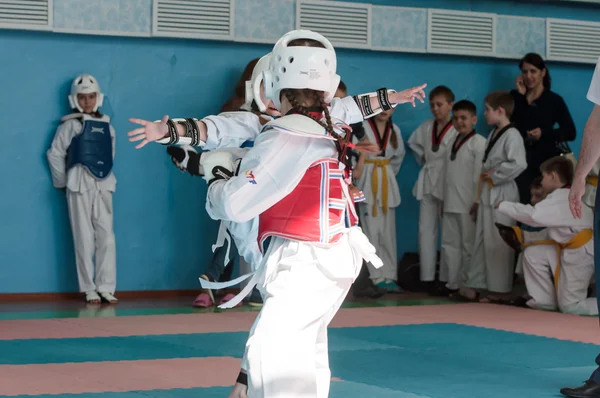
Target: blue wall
{"type": "Point", "coordinates": [163, 233]}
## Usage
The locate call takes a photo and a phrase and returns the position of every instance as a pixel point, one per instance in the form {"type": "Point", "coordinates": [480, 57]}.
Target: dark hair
{"type": "Point", "coordinates": [536, 183]}
{"type": "Point", "coordinates": [465, 105]}
{"type": "Point", "coordinates": [240, 87]}
{"type": "Point", "coordinates": [315, 99]}
{"type": "Point", "coordinates": [342, 86]}
{"type": "Point", "coordinates": [442, 90]}
{"type": "Point", "coordinates": [560, 165]}
{"type": "Point", "coordinates": [501, 99]}
{"type": "Point", "coordinates": [537, 61]}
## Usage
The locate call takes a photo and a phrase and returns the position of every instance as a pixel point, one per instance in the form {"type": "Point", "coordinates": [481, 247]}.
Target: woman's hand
{"type": "Point", "coordinates": [408, 95]}
{"type": "Point", "coordinates": [534, 134]}
{"type": "Point", "coordinates": [151, 131]}
{"type": "Point", "coordinates": [521, 87]}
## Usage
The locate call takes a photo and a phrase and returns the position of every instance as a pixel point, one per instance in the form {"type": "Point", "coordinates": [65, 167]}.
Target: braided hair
{"type": "Point", "coordinates": [303, 99]}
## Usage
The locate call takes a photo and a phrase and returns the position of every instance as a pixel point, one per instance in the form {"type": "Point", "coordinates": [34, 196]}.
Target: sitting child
{"type": "Point", "coordinates": [558, 269]}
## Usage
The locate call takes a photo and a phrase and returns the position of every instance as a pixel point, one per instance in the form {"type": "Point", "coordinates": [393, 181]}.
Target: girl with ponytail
{"type": "Point", "coordinates": [295, 181]}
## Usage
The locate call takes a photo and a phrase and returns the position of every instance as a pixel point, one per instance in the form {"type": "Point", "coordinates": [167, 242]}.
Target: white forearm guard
{"type": "Point", "coordinates": [364, 102]}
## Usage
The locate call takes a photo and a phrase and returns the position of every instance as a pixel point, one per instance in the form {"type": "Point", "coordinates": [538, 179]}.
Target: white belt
{"type": "Point", "coordinates": [223, 236]}
{"type": "Point", "coordinates": [356, 238]}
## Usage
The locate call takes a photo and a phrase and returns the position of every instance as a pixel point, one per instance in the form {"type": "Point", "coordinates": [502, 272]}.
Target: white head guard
{"type": "Point", "coordinates": [299, 67]}
{"type": "Point", "coordinates": [85, 84]}
{"type": "Point", "coordinates": [256, 79]}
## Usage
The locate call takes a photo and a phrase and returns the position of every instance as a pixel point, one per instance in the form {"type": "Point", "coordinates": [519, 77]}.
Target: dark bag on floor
{"type": "Point", "coordinates": [409, 273]}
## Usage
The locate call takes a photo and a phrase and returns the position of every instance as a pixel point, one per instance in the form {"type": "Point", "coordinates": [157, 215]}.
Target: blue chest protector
{"type": "Point", "coordinates": [92, 148]}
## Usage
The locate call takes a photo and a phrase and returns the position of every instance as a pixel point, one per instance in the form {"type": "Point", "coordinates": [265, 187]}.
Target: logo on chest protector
{"type": "Point", "coordinates": [250, 177]}
{"type": "Point", "coordinates": [97, 130]}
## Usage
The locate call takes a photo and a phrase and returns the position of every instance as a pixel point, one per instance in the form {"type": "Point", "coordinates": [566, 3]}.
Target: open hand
{"type": "Point", "coordinates": [408, 95]}
{"type": "Point", "coordinates": [368, 147]}
{"type": "Point", "coordinates": [575, 194]}
{"type": "Point", "coordinates": [151, 131]}
{"type": "Point", "coordinates": [521, 87]}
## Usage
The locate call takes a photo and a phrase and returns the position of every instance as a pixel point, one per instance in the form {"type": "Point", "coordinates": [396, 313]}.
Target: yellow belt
{"type": "Point", "coordinates": [592, 180]}
{"type": "Point", "coordinates": [576, 242]}
{"type": "Point", "coordinates": [379, 163]}
{"type": "Point", "coordinates": [483, 179]}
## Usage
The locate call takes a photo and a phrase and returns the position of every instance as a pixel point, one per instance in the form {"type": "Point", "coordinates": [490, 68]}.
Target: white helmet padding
{"type": "Point", "coordinates": [299, 67]}
{"type": "Point", "coordinates": [256, 79]}
{"type": "Point", "coordinates": [85, 84]}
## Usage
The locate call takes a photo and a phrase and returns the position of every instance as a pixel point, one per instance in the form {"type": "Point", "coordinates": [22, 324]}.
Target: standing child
{"type": "Point", "coordinates": [492, 264]}
{"type": "Point", "coordinates": [296, 166]}
{"type": "Point", "coordinates": [431, 142]}
{"type": "Point", "coordinates": [376, 177]}
{"type": "Point", "coordinates": [558, 273]}
{"type": "Point", "coordinates": [81, 160]}
{"type": "Point", "coordinates": [461, 176]}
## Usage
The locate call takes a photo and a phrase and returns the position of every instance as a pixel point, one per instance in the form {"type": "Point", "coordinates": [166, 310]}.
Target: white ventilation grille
{"type": "Point", "coordinates": [458, 32]}
{"type": "Point", "coordinates": [25, 14]}
{"type": "Point", "coordinates": [200, 19]}
{"type": "Point", "coordinates": [344, 24]}
{"type": "Point", "coordinates": [572, 41]}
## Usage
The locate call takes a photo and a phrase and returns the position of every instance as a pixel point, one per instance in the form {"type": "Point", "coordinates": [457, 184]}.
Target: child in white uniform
{"type": "Point", "coordinates": [298, 161]}
{"type": "Point", "coordinates": [558, 274]}
{"type": "Point", "coordinates": [376, 178]}
{"type": "Point", "coordinates": [492, 263]}
{"type": "Point", "coordinates": [461, 175]}
{"type": "Point", "coordinates": [81, 159]}
{"type": "Point", "coordinates": [430, 143]}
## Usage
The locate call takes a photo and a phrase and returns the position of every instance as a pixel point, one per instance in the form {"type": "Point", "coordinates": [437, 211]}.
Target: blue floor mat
{"type": "Point", "coordinates": [410, 361]}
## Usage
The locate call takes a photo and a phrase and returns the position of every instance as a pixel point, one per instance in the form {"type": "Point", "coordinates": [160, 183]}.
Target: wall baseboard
{"type": "Point", "coordinates": [127, 295]}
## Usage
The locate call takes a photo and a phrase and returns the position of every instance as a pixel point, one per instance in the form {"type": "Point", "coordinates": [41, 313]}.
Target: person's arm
{"type": "Point", "coordinates": [515, 163]}
{"type": "Point", "coordinates": [399, 153]}
{"type": "Point", "coordinates": [549, 212]}
{"type": "Point", "coordinates": [57, 154]}
{"type": "Point", "coordinates": [519, 212]}
{"type": "Point", "coordinates": [417, 145]}
{"type": "Point", "coordinates": [214, 132]}
{"type": "Point", "coordinates": [114, 141]}
{"type": "Point", "coordinates": [268, 173]}
{"type": "Point", "coordinates": [566, 127]}
{"type": "Point", "coordinates": [478, 154]}
{"type": "Point", "coordinates": [590, 147]}
{"type": "Point", "coordinates": [360, 166]}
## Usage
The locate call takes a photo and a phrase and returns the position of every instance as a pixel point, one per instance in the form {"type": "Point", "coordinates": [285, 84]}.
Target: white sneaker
{"type": "Point", "coordinates": [92, 297]}
{"type": "Point", "coordinates": [109, 297]}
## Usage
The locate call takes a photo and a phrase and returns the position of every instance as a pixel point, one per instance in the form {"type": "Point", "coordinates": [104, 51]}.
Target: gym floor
{"type": "Point", "coordinates": [399, 346]}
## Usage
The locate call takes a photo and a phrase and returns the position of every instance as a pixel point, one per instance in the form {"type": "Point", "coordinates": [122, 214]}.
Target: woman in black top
{"type": "Point", "coordinates": [541, 116]}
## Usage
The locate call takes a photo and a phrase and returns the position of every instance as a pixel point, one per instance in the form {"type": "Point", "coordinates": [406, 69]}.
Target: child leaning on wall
{"type": "Point", "coordinates": [81, 160]}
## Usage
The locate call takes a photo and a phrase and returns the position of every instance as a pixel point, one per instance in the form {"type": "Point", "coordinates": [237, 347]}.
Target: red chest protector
{"type": "Point", "coordinates": [317, 210]}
